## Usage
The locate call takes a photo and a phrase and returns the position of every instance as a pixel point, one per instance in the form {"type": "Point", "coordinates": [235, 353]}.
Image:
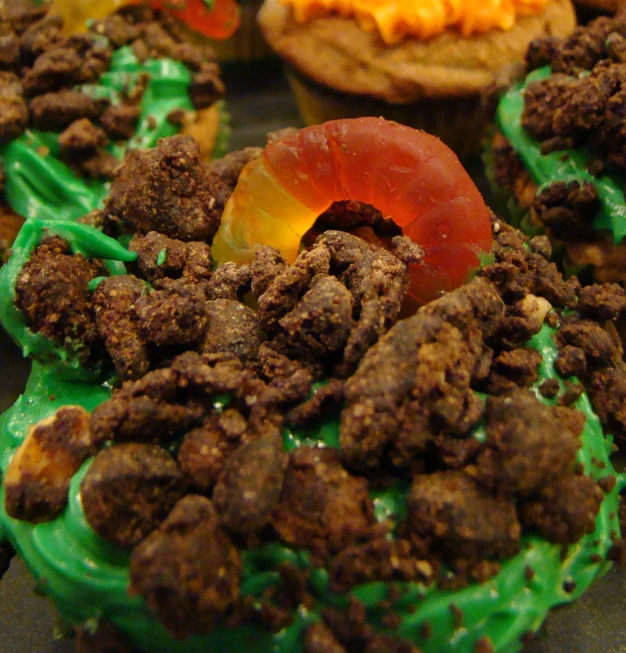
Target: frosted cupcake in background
{"type": "Point", "coordinates": [229, 27]}
{"type": "Point", "coordinates": [557, 160]}
{"type": "Point", "coordinates": [72, 104]}
{"type": "Point", "coordinates": [422, 64]}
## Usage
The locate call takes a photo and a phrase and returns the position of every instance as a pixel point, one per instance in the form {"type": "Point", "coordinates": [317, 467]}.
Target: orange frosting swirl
{"type": "Point", "coordinates": [396, 19]}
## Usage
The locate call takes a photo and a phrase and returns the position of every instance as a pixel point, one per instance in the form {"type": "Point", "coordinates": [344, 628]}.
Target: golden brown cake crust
{"type": "Point", "coordinates": [336, 52]}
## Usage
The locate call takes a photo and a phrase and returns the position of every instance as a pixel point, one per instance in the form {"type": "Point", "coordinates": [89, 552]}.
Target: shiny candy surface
{"type": "Point", "coordinates": [410, 176]}
{"type": "Point", "coordinates": [217, 19]}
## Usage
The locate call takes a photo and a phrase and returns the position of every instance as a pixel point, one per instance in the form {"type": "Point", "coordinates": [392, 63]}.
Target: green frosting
{"type": "Point", "coordinates": [87, 578]}
{"type": "Point", "coordinates": [41, 186]}
{"type": "Point", "coordinates": [564, 165]}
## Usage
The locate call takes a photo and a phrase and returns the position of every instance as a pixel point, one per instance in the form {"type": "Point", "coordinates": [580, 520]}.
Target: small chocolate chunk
{"type": "Point", "coordinates": [541, 245]}
{"type": "Point", "coordinates": [10, 84]}
{"type": "Point", "coordinates": [43, 35]}
{"type": "Point", "coordinates": [9, 48]}
{"type": "Point", "coordinates": [322, 320]}
{"type": "Point", "coordinates": [13, 117]}
{"type": "Point", "coordinates": [165, 262]}
{"type": "Point", "coordinates": [607, 391]}
{"type": "Point", "coordinates": [407, 250]}
{"type": "Point", "coordinates": [115, 302]}
{"type": "Point", "coordinates": [518, 367]}
{"type": "Point", "coordinates": [52, 70]}
{"type": "Point", "coordinates": [120, 122]}
{"type": "Point", "coordinates": [188, 570]}
{"type": "Point", "coordinates": [573, 392]}
{"type": "Point", "coordinates": [81, 136]}
{"type": "Point", "coordinates": [229, 167]}
{"type": "Point", "coordinates": [205, 449]}
{"type": "Point", "coordinates": [95, 62]}
{"type": "Point", "coordinates": [206, 86]}
{"type": "Point", "coordinates": [142, 417]}
{"type": "Point", "coordinates": [540, 52]}
{"type": "Point", "coordinates": [526, 446]}
{"type": "Point", "coordinates": [232, 327]}
{"type": "Point", "coordinates": [166, 189]}
{"type": "Point", "coordinates": [52, 292]}
{"type": "Point", "coordinates": [100, 165]}
{"type": "Point", "coordinates": [602, 302]}
{"type": "Point", "coordinates": [267, 264]}
{"type": "Point", "coordinates": [564, 510]}
{"type": "Point", "coordinates": [571, 361]}
{"type": "Point", "coordinates": [597, 343]}
{"type": "Point", "coordinates": [549, 388]}
{"type": "Point", "coordinates": [229, 281]}
{"type": "Point", "coordinates": [453, 512]}
{"type": "Point", "coordinates": [21, 14]}
{"type": "Point", "coordinates": [128, 490]}
{"type": "Point", "coordinates": [56, 111]}
{"type": "Point", "coordinates": [176, 316]}
{"type": "Point", "coordinates": [249, 486]}
{"type": "Point", "coordinates": [567, 208]}
{"type": "Point", "coordinates": [116, 29]}
{"type": "Point", "coordinates": [316, 489]}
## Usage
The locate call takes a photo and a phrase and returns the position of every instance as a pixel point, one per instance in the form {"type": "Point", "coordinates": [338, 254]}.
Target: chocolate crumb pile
{"type": "Point", "coordinates": [580, 105]}
{"type": "Point", "coordinates": [44, 75]}
{"type": "Point", "coordinates": [220, 370]}
{"type": "Point", "coordinates": [570, 109]}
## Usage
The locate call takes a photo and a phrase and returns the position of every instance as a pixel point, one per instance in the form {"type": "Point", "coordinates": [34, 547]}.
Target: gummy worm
{"type": "Point", "coordinates": [410, 176]}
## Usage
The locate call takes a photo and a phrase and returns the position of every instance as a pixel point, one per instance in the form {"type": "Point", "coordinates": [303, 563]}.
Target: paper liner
{"type": "Point", "coordinates": [459, 122]}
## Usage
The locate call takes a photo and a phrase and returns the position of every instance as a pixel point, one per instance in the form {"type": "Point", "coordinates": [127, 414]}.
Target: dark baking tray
{"type": "Point", "coordinates": [260, 102]}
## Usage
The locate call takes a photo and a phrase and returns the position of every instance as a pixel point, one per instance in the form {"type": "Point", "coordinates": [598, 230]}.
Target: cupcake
{"type": "Point", "coordinates": [228, 27]}
{"type": "Point", "coordinates": [556, 159]}
{"type": "Point", "coordinates": [316, 473]}
{"type": "Point", "coordinates": [73, 104]}
{"type": "Point", "coordinates": [239, 46]}
{"type": "Point", "coordinates": [422, 66]}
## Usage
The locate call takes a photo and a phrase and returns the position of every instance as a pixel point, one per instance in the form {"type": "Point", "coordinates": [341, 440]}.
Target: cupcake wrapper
{"type": "Point", "coordinates": [460, 122]}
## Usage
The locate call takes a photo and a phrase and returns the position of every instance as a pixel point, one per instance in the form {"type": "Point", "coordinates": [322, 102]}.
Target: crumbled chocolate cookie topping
{"type": "Point", "coordinates": [40, 66]}
{"type": "Point", "coordinates": [53, 294]}
{"type": "Point", "coordinates": [571, 109]}
{"type": "Point", "coordinates": [211, 391]}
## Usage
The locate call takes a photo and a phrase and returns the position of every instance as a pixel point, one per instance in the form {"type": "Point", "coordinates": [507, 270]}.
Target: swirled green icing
{"type": "Point", "coordinates": [42, 186]}
{"type": "Point", "coordinates": [564, 165]}
{"type": "Point", "coordinates": [87, 578]}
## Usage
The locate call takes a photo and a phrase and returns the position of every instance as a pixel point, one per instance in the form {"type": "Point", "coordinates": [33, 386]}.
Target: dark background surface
{"type": "Point", "coordinates": [260, 102]}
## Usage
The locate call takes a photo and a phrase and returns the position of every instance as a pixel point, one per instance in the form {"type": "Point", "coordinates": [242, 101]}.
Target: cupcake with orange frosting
{"type": "Point", "coordinates": [420, 62]}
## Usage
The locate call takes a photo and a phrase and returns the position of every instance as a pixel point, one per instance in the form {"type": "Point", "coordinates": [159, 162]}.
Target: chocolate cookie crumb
{"type": "Point", "coordinates": [128, 490]}
{"type": "Point", "coordinates": [188, 570]}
